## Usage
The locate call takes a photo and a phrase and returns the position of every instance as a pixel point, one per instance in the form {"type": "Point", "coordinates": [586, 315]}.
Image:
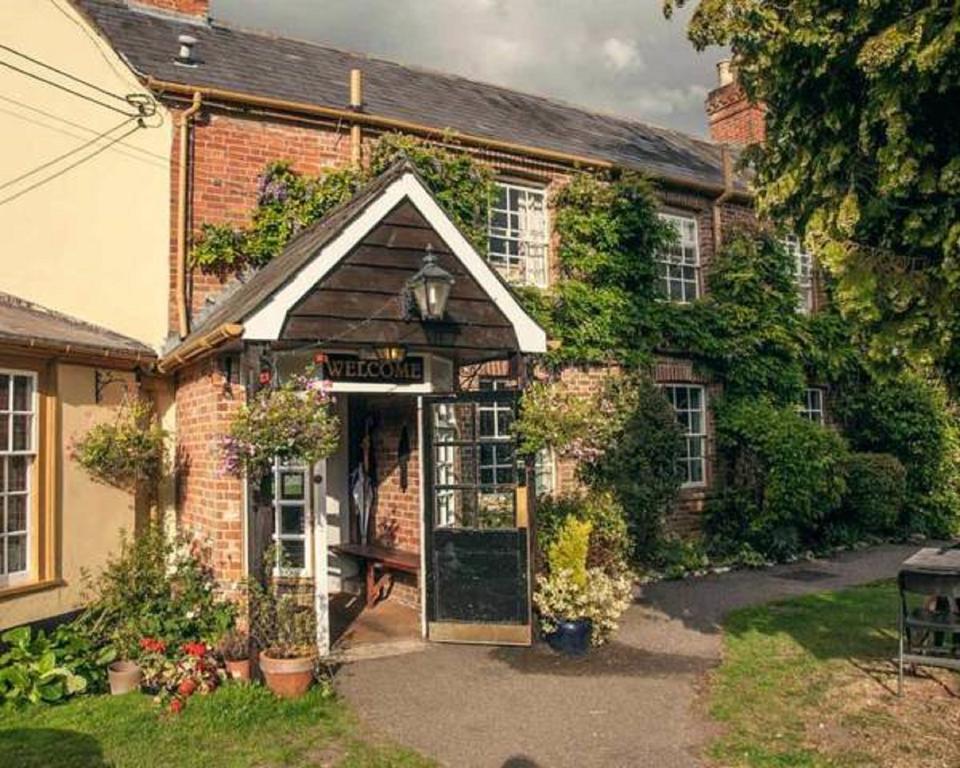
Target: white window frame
{"type": "Point", "coordinates": [544, 472]}
{"type": "Point", "coordinates": [494, 384]}
{"type": "Point", "coordinates": [30, 453]}
{"type": "Point", "coordinates": [526, 267]}
{"type": "Point", "coordinates": [812, 405]}
{"type": "Point", "coordinates": [279, 503]}
{"type": "Point", "coordinates": [687, 460]}
{"type": "Point", "coordinates": [682, 256]}
{"type": "Point", "coordinates": [803, 272]}
{"type": "Point", "coordinates": [445, 464]}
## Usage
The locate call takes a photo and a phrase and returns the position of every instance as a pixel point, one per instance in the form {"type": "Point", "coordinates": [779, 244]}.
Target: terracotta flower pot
{"type": "Point", "coordinates": [287, 678]}
{"type": "Point", "coordinates": [125, 676]}
{"type": "Point", "coordinates": [238, 669]}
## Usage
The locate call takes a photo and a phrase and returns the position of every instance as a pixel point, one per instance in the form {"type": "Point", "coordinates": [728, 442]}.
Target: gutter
{"type": "Point", "coordinates": [183, 321]}
{"type": "Point", "coordinates": [353, 116]}
{"type": "Point", "coordinates": [128, 357]}
{"type": "Point", "coordinates": [728, 192]}
{"type": "Point", "coordinates": [199, 346]}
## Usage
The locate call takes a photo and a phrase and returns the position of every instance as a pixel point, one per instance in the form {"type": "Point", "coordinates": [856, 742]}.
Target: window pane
{"type": "Point", "coordinates": [22, 389]}
{"type": "Point", "coordinates": [17, 473]}
{"type": "Point", "coordinates": [4, 392]}
{"type": "Point", "coordinates": [292, 520]}
{"type": "Point", "coordinates": [291, 485]}
{"type": "Point", "coordinates": [4, 432]}
{"type": "Point", "coordinates": [16, 554]}
{"type": "Point", "coordinates": [17, 514]}
{"type": "Point", "coordinates": [294, 554]}
{"type": "Point", "coordinates": [21, 431]}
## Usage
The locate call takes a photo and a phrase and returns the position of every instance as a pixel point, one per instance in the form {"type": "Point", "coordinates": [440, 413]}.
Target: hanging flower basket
{"type": "Point", "coordinates": [127, 452]}
{"type": "Point", "coordinates": [293, 423]}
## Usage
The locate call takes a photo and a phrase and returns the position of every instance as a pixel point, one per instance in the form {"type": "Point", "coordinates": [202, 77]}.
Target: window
{"type": "Point", "coordinates": [291, 498]}
{"type": "Point", "coordinates": [518, 235]}
{"type": "Point", "coordinates": [445, 434]}
{"type": "Point", "coordinates": [812, 405]}
{"type": "Point", "coordinates": [689, 404]}
{"type": "Point", "coordinates": [678, 267]}
{"type": "Point", "coordinates": [498, 463]}
{"type": "Point", "coordinates": [17, 454]}
{"type": "Point", "coordinates": [544, 472]}
{"type": "Point", "coordinates": [803, 264]}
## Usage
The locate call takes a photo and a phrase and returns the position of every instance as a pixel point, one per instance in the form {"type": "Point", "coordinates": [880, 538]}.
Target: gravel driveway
{"type": "Point", "coordinates": [633, 702]}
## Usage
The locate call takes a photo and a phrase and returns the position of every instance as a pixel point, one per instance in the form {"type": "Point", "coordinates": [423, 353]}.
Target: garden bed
{"type": "Point", "coordinates": [809, 682]}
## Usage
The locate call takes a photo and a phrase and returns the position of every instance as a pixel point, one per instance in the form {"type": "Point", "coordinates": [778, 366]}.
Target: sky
{"type": "Point", "coordinates": [618, 56]}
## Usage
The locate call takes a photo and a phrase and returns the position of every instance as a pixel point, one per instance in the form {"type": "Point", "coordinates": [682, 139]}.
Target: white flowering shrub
{"type": "Point", "coordinates": [602, 600]}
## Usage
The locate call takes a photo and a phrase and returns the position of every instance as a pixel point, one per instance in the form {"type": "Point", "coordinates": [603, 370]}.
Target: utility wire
{"type": "Point", "coordinates": [67, 75]}
{"type": "Point", "coordinates": [65, 155]}
{"type": "Point", "coordinates": [69, 90]}
{"type": "Point", "coordinates": [73, 165]}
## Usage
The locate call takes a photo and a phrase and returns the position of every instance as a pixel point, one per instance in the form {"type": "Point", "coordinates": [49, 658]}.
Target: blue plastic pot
{"type": "Point", "coordinates": [572, 636]}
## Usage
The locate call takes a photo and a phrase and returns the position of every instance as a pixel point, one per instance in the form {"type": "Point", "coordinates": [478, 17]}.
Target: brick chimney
{"type": "Point", "coordinates": [733, 118]}
{"type": "Point", "coordinates": [198, 8]}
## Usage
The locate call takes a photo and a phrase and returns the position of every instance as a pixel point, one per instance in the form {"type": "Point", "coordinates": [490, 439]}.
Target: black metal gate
{"type": "Point", "coordinates": [477, 542]}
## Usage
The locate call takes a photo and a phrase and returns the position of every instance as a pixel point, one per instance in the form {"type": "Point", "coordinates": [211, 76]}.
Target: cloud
{"type": "Point", "coordinates": [621, 54]}
{"type": "Point", "coordinates": [617, 56]}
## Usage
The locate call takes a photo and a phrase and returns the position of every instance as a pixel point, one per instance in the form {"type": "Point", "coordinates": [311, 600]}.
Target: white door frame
{"type": "Point", "coordinates": [321, 596]}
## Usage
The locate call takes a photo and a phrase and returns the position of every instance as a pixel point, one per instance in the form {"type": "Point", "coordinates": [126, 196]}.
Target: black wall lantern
{"type": "Point", "coordinates": [431, 287]}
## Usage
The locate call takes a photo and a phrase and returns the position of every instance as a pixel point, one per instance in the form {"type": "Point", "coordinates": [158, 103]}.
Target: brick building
{"type": "Point", "coordinates": [238, 100]}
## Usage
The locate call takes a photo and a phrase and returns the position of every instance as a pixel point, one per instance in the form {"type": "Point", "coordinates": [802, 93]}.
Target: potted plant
{"type": "Point", "coordinates": [284, 630]}
{"type": "Point", "coordinates": [235, 649]}
{"type": "Point", "coordinates": [579, 606]}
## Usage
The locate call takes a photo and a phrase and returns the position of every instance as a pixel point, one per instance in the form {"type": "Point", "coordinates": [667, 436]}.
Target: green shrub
{"type": "Point", "coordinates": [157, 586]}
{"type": "Point", "coordinates": [36, 667]}
{"type": "Point", "coordinates": [568, 551]}
{"type": "Point", "coordinates": [640, 464]}
{"type": "Point", "coordinates": [876, 488]}
{"type": "Point", "coordinates": [609, 539]}
{"type": "Point", "coordinates": [912, 419]}
{"type": "Point", "coordinates": [782, 475]}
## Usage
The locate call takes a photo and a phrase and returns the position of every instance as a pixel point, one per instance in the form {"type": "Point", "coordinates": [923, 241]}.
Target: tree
{"type": "Point", "coordinates": [862, 152]}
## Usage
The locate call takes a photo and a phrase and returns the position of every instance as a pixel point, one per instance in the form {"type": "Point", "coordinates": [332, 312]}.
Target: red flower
{"type": "Point", "coordinates": [197, 650]}
{"type": "Point", "coordinates": [152, 645]}
{"type": "Point", "coordinates": [176, 706]}
{"type": "Point", "coordinates": [187, 687]}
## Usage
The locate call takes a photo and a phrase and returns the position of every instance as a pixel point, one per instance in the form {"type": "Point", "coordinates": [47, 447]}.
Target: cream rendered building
{"type": "Point", "coordinates": [84, 207]}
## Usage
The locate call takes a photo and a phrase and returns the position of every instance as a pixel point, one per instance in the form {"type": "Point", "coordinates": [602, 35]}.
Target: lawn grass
{"type": "Point", "coordinates": [238, 725]}
{"type": "Point", "coordinates": [808, 683]}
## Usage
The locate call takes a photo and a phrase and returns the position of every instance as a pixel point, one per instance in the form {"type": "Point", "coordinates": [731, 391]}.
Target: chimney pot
{"type": "Point", "coordinates": [726, 72]}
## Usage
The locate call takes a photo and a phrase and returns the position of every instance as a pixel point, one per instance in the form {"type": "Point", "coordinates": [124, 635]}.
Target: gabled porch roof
{"type": "Point", "coordinates": [341, 283]}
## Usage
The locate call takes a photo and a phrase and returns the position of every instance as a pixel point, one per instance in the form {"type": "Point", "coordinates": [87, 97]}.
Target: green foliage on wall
{"type": "Point", "coordinates": [288, 201]}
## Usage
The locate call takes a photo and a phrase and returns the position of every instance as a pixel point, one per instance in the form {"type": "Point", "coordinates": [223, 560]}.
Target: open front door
{"type": "Point", "coordinates": [477, 544]}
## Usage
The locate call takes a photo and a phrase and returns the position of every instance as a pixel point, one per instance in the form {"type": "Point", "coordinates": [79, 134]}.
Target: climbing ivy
{"type": "Point", "coordinates": [288, 201]}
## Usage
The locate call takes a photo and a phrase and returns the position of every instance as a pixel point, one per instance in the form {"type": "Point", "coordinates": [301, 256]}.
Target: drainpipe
{"type": "Point", "coordinates": [356, 105]}
{"type": "Point", "coordinates": [183, 322]}
{"type": "Point", "coordinates": [727, 193]}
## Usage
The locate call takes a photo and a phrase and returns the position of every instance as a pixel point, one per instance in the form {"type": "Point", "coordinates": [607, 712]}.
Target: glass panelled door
{"type": "Point", "coordinates": [477, 544]}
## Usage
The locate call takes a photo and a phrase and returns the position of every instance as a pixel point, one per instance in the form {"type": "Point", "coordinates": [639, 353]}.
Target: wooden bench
{"type": "Point", "coordinates": [385, 559]}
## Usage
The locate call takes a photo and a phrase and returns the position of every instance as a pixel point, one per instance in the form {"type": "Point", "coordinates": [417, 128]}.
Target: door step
{"type": "Point", "coordinates": [365, 651]}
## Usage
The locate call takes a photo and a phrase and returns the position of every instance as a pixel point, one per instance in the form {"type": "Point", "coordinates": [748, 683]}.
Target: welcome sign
{"type": "Point", "coordinates": [351, 368]}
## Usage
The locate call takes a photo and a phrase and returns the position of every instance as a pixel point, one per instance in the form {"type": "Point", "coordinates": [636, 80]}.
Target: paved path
{"type": "Point", "coordinates": [631, 703]}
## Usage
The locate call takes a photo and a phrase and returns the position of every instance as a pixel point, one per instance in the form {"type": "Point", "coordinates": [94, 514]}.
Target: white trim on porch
{"type": "Point", "coordinates": [266, 322]}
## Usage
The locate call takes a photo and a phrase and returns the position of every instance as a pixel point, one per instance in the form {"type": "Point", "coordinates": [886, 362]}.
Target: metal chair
{"type": "Point", "coordinates": [929, 636]}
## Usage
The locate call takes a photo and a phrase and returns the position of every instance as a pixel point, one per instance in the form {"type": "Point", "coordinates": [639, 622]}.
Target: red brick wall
{"type": "Point", "coordinates": [190, 7]}
{"type": "Point", "coordinates": [210, 504]}
{"type": "Point", "coordinates": [228, 154]}
{"type": "Point", "coordinates": [733, 118]}
{"type": "Point", "coordinates": [396, 517]}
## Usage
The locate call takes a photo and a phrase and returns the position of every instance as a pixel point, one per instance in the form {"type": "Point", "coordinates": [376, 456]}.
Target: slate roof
{"type": "Point", "coordinates": [262, 65]}
{"type": "Point", "coordinates": [23, 323]}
